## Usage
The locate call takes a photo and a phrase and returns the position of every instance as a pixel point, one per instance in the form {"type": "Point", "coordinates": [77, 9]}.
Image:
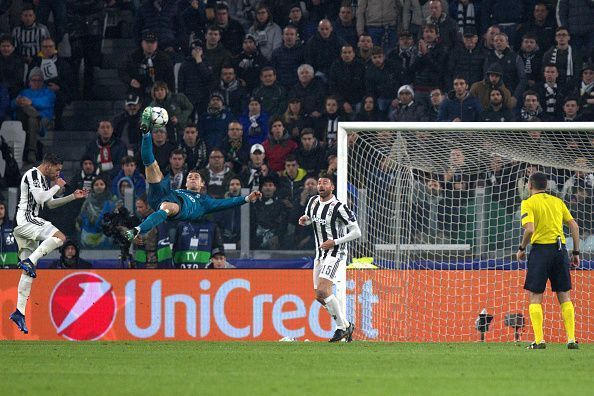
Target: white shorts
{"type": "Point", "coordinates": [331, 268]}
{"type": "Point", "coordinates": [27, 235]}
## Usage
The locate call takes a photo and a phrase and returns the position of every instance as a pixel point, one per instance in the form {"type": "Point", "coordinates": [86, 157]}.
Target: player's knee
{"type": "Point", "coordinates": [321, 295]}
{"type": "Point", "coordinates": [169, 208]}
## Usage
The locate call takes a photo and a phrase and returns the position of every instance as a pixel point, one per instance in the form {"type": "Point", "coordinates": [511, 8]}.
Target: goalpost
{"type": "Point", "coordinates": [438, 205]}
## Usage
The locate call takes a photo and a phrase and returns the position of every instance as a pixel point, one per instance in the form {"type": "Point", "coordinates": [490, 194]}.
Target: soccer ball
{"type": "Point", "coordinates": [159, 117]}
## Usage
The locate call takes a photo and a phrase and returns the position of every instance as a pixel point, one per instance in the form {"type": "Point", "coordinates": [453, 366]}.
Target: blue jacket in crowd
{"type": "Point", "coordinates": [467, 110]}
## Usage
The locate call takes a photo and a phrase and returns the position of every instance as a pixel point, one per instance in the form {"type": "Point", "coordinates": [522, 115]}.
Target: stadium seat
{"type": "Point", "coordinates": [15, 136]}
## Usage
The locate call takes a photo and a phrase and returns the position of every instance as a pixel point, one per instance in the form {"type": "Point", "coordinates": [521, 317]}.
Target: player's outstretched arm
{"type": "Point", "coordinates": [57, 202]}
{"type": "Point", "coordinates": [215, 205]}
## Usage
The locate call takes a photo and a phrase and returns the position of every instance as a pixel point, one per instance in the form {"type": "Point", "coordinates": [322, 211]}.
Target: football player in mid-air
{"type": "Point", "coordinates": [186, 205]}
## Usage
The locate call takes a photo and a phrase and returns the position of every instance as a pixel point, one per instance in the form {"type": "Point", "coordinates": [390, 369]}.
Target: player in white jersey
{"type": "Point", "coordinates": [334, 225]}
{"type": "Point", "coordinates": [30, 228]}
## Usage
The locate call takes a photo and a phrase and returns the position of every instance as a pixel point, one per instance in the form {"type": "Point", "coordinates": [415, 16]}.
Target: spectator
{"type": "Point", "coordinates": [532, 59]}
{"type": "Point", "coordinates": [12, 67]}
{"type": "Point", "coordinates": [99, 202]}
{"type": "Point", "coordinates": [412, 16]}
{"type": "Point", "coordinates": [214, 52]}
{"type": "Point", "coordinates": [369, 111]}
{"type": "Point", "coordinates": [287, 58]}
{"type": "Point", "coordinates": [268, 219]}
{"type": "Point", "coordinates": [436, 96]}
{"type": "Point", "coordinates": [29, 34]}
{"type": "Point", "coordinates": [347, 79]}
{"type": "Point", "coordinates": [84, 25]}
{"type": "Point", "coordinates": [229, 220]}
{"type": "Point", "coordinates": [218, 260]}
{"type": "Point", "coordinates": [255, 121]}
{"type": "Point", "coordinates": [162, 148]}
{"type": "Point", "coordinates": [531, 108]}
{"type": "Point", "coordinates": [193, 15]}
{"type": "Point", "coordinates": [145, 66]}
{"type": "Point", "coordinates": [511, 64]}
{"type": "Point", "coordinates": [8, 247]}
{"type": "Point", "coordinates": [578, 17]}
{"type": "Point", "coordinates": [493, 79]}
{"type": "Point", "coordinates": [460, 105]}
{"type": "Point", "coordinates": [294, 120]}
{"type": "Point", "coordinates": [489, 37]}
{"type": "Point", "coordinates": [129, 170]}
{"type": "Point", "coordinates": [195, 78]}
{"type": "Point", "coordinates": [153, 249]}
{"type": "Point", "coordinates": [406, 109]}
{"type": "Point", "coordinates": [272, 94]}
{"type": "Point", "coordinates": [567, 58]}
{"type": "Point", "coordinates": [177, 171]}
{"type": "Point", "coordinates": [496, 111]}
{"type": "Point", "coordinates": [381, 19]}
{"type": "Point", "coordinates": [571, 110]}
{"type": "Point", "coordinates": [106, 151]}
{"type": "Point", "coordinates": [268, 34]}
{"type": "Point", "coordinates": [467, 60]}
{"type": "Point", "coordinates": [311, 90]}
{"type": "Point", "coordinates": [164, 20]}
{"type": "Point", "coordinates": [540, 25]}
{"type": "Point", "coordinates": [291, 183]}
{"type": "Point", "coordinates": [84, 178]}
{"type": "Point", "coordinates": [232, 90]}
{"type": "Point", "coordinates": [296, 18]}
{"type": "Point", "coordinates": [249, 63]}
{"type": "Point", "coordinates": [310, 154]}
{"type": "Point", "coordinates": [323, 48]}
{"type": "Point", "coordinates": [327, 124]}
{"type": "Point", "coordinates": [550, 93]}
{"type": "Point", "coordinates": [584, 90]}
{"type": "Point", "coordinates": [446, 26]}
{"type": "Point", "coordinates": [345, 26]}
{"type": "Point", "coordinates": [466, 14]}
{"type": "Point", "coordinates": [231, 31]}
{"type": "Point", "coordinates": [69, 258]}
{"type": "Point", "coordinates": [177, 105]}
{"type": "Point", "coordinates": [217, 174]}
{"type": "Point", "coordinates": [58, 11]}
{"type": "Point", "coordinates": [404, 55]}
{"type": "Point", "coordinates": [278, 146]}
{"type": "Point", "coordinates": [34, 107]}
{"type": "Point", "coordinates": [303, 236]}
{"type": "Point", "coordinates": [382, 79]}
{"type": "Point", "coordinates": [364, 47]}
{"type": "Point", "coordinates": [235, 147]}
{"type": "Point", "coordinates": [193, 147]}
{"type": "Point", "coordinates": [507, 14]}
{"type": "Point", "coordinates": [213, 123]}
{"type": "Point", "coordinates": [4, 103]}
{"type": "Point", "coordinates": [126, 125]}
{"type": "Point", "coordinates": [429, 64]}
{"type": "Point", "coordinates": [252, 175]}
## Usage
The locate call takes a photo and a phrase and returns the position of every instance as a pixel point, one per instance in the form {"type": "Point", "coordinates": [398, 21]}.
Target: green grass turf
{"type": "Point", "coordinates": [260, 368]}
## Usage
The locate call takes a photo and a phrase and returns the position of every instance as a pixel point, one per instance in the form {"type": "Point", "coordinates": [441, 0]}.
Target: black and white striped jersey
{"type": "Point", "coordinates": [32, 184]}
{"type": "Point", "coordinates": [329, 220]}
{"type": "Point", "coordinates": [27, 40]}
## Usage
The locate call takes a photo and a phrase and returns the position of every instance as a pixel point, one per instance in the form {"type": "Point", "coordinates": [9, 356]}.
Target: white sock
{"type": "Point", "coordinates": [44, 248]}
{"type": "Point", "coordinates": [24, 290]}
{"type": "Point", "coordinates": [333, 307]}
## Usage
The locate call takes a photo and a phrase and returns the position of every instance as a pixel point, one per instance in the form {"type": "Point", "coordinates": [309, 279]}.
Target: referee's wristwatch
{"type": "Point", "coordinates": [521, 249]}
{"type": "Point", "coordinates": [575, 252]}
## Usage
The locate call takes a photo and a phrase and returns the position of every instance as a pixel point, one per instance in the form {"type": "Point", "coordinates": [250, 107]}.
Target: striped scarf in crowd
{"type": "Point", "coordinates": [550, 98]}
{"type": "Point", "coordinates": [465, 16]}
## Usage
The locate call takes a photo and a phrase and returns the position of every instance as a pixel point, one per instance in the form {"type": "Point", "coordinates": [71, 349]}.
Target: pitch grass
{"type": "Point", "coordinates": [261, 368]}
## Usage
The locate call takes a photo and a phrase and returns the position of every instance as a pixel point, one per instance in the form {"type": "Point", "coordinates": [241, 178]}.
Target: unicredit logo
{"type": "Point", "coordinates": [83, 306]}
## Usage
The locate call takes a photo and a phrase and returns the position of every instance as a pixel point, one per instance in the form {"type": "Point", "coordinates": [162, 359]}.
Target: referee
{"type": "Point", "coordinates": [543, 216]}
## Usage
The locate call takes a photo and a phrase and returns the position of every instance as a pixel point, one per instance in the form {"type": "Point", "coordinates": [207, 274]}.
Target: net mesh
{"type": "Point", "coordinates": [439, 212]}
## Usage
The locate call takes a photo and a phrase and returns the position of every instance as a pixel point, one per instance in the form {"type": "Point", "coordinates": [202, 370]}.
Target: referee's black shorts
{"type": "Point", "coordinates": [545, 262]}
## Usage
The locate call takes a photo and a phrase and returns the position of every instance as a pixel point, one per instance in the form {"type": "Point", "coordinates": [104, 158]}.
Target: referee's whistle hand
{"type": "Point", "coordinates": [521, 255]}
{"type": "Point", "coordinates": [575, 261]}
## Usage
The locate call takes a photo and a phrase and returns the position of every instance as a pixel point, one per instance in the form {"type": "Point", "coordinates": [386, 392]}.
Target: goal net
{"type": "Point", "coordinates": [438, 205]}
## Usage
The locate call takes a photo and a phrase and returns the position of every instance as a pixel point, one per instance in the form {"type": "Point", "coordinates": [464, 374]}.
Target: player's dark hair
{"type": "Point", "coordinates": [52, 159]}
{"type": "Point", "coordinates": [539, 181]}
{"type": "Point", "coordinates": [326, 175]}
{"type": "Point", "coordinates": [194, 170]}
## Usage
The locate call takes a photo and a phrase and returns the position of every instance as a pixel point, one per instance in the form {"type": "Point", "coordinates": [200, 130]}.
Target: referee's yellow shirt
{"type": "Point", "coordinates": [548, 213]}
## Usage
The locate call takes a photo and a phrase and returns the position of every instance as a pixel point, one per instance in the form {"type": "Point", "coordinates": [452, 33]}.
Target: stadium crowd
{"type": "Point", "coordinates": [255, 91]}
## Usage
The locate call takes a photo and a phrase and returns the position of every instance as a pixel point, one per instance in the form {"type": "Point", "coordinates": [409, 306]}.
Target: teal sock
{"type": "Point", "coordinates": [146, 149]}
{"type": "Point", "coordinates": [152, 221]}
